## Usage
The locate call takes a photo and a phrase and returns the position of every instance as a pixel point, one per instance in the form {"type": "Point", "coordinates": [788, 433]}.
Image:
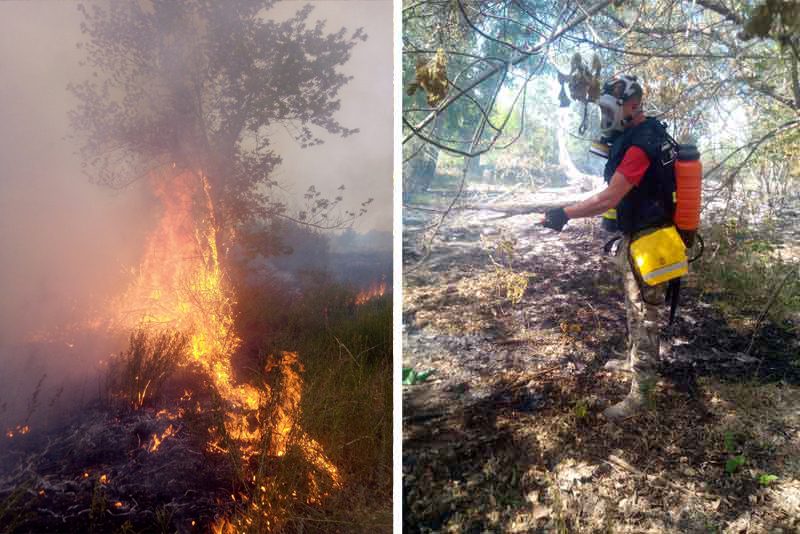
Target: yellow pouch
{"type": "Point", "coordinates": [659, 256]}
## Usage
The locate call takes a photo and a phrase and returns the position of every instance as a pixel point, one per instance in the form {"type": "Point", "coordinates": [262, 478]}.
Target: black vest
{"type": "Point", "coordinates": [650, 203]}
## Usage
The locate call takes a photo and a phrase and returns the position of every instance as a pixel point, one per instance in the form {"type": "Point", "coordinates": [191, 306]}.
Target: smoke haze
{"type": "Point", "coordinates": [65, 244]}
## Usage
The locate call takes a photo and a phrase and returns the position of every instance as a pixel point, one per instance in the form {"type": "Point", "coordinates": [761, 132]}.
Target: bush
{"type": "Point", "coordinates": [138, 374]}
{"type": "Point", "coordinates": [741, 267]}
{"type": "Point", "coordinates": [346, 405]}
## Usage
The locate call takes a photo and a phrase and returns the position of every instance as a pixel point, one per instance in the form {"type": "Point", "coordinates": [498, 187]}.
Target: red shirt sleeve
{"type": "Point", "coordinates": [634, 165]}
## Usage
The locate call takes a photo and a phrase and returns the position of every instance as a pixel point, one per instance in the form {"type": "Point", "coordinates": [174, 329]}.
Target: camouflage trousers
{"type": "Point", "coordinates": [643, 329]}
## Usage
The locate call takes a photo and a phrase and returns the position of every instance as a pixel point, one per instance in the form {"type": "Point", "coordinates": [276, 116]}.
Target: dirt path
{"type": "Point", "coordinates": [506, 435]}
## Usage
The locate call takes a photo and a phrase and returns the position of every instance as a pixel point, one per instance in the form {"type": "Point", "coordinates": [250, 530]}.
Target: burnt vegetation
{"type": "Point", "coordinates": [249, 387]}
{"type": "Point", "coordinates": [507, 326]}
{"type": "Point", "coordinates": [151, 448]}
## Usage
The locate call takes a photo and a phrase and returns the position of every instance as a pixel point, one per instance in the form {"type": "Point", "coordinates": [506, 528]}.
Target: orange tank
{"type": "Point", "coordinates": [688, 182]}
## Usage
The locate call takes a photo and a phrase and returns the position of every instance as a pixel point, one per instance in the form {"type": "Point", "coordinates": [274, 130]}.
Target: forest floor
{"type": "Point", "coordinates": [506, 433]}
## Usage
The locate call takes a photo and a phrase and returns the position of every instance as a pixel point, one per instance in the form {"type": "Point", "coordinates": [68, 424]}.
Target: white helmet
{"type": "Point", "coordinates": [615, 92]}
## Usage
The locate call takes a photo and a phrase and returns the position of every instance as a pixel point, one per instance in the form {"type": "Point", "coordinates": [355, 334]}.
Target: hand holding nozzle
{"type": "Point", "coordinates": [555, 219]}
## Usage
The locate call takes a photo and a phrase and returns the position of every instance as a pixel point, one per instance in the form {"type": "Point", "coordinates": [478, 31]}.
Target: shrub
{"type": "Point", "coordinates": [138, 374]}
{"type": "Point", "coordinates": [741, 266]}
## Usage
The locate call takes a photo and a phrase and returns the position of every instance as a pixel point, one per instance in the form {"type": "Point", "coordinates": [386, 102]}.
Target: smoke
{"type": "Point", "coordinates": [65, 244]}
{"type": "Point", "coordinates": [61, 240]}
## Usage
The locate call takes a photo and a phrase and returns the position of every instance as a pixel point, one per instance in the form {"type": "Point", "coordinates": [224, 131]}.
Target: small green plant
{"type": "Point", "coordinates": [412, 377]}
{"type": "Point", "coordinates": [164, 518]}
{"type": "Point", "coordinates": [581, 409]}
{"type": "Point", "coordinates": [125, 528]}
{"type": "Point", "coordinates": [765, 479]}
{"type": "Point", "coordinates": [734, 463]}
{"type": "Point", "coordinates": [729, 442]}
{"type": "Point", "coordinates": [99, 505]}
{"type": "Point", "coordinates": [648, 389]}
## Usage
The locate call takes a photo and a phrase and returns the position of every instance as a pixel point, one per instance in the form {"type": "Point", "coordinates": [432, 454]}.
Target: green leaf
{"type": "Point", "coordinates": [730, 445]}
{"type": "Point", "coordinates": [412, 377]}
{"type": "Point", "coordinates": [766, 479]}
{"type": "Point", "coordinates": [734, 463]}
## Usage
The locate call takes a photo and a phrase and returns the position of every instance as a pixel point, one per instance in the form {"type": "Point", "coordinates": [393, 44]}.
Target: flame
{"type": "Point", "coordinates": [156, 441]}
{"type": "Point", "coordinates": [19, 430]}
{"type": "Point", "coordinates": [180, 285]}
{"type": "Point", "coordinates": [377, 289]}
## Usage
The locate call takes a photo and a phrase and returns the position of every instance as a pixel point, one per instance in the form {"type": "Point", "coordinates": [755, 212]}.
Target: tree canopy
{"type": "Point", "coordinates": [721, 71]}
{"type": "Point", "coordinates": [200, 87]}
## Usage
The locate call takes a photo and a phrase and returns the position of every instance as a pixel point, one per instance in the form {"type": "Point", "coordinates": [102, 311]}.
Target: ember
{"type": "Point", "coordinates": [20, 430]}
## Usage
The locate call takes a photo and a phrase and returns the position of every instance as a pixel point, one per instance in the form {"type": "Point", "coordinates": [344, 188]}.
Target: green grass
{"type": "Point", "coordinates": [741, 271]}
{"type": "Point", "coordinates": [345, 362]}
{"type": "Point", "coordinates": [16, 507]}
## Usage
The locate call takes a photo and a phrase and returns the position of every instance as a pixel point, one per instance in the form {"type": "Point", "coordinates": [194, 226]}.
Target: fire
{"type": "Point", "coordinates": [181, 286]}
{"type": "Point", "coordinates": [19, 430]}
{"type": "Point", "coordinates": [375, 290]}
{"type": "Point", "coordinates": [156, 441]}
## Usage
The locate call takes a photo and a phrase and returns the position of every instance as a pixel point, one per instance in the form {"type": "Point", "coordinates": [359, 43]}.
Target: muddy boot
{"type": "Point", "coordinates": [641, 386]}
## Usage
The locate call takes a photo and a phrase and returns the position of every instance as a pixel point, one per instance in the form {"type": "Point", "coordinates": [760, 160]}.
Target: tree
{"type": "Point", "coordinates": [700, 61]}
{"type": "Point", "coordinates": [198, 87]}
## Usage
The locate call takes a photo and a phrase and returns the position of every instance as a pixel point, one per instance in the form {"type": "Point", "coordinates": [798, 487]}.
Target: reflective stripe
{"type": "Point", "coordinates": [610, 214]}
{"type": "Point", "coordinates": [666, 270]}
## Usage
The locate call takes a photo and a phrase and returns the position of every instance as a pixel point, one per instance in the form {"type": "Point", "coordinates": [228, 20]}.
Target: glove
{"type": "Point", "coordinates": [555, 218]}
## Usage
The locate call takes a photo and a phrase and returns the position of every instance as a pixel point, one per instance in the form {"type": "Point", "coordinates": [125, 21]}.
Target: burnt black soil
{"type": "Point", "coordinates": [100, 471]}
{"type": "Point", "coordinates": [507, 434]}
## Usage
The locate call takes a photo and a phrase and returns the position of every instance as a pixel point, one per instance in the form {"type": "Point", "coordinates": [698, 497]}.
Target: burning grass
{"type": "Point", "coordinates": [217, 416]}
{"type": "Point", "coordinates": [312, 455]}
{"type": "Point", "coordinates": [139, 374]}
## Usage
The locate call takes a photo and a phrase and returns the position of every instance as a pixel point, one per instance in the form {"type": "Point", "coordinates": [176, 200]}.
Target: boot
{"type": "Point", "coordinates": [633, 403]}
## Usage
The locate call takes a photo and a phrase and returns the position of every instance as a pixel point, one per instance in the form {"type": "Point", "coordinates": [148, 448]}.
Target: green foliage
{"type": "Point", "coordinates": [412, 377]}
{"type": "Point", "coordinates": [729, 442]}
{"type": "Point", "coordinates": [648, 391]}
{"type": "Point", "coordinates": [734, 463]}
{"type": "Point", "coordinates": [125, 528]}
{"type": "Point", "coordinates": [740, 267]}
{"type": "Point", "coordinates": [16, 508]}
{"type": "Point", "coordinates": [346, 404]}
{"type": "Point", "coordinates": [581, 408]}
{"type": "Point", "coordinates": [765, 479]}
{"type": "Point", "coordinates": [138, 375]}
{"type": "Point", "coordinates": [98, 508]}
{"type": "Point", "coordinates": [164, 518]}
{"type": "Point", "coordinates": [177, 87]}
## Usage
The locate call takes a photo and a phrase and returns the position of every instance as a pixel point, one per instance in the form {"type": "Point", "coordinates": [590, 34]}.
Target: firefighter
{"type": "Point", "coordinates": [642, 199]}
